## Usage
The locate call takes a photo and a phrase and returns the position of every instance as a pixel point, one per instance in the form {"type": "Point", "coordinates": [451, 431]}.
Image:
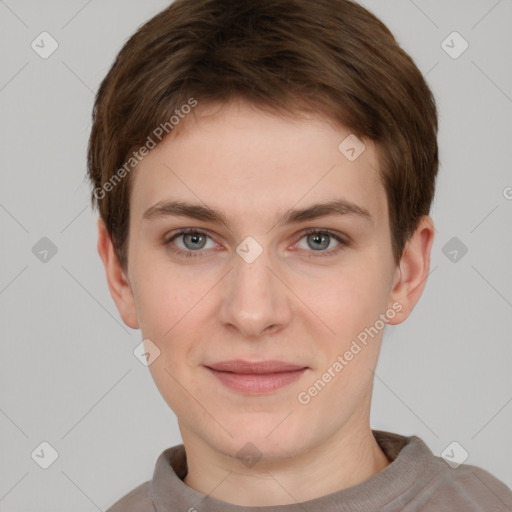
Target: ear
{"type": "Point", "coordinates": [411, 275]}
{"type": "Point", "coordinates": [118, 284]}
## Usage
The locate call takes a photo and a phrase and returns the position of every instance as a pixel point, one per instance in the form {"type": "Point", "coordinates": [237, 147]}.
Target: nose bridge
{"type": "Point", "coordinates": [255, 298]}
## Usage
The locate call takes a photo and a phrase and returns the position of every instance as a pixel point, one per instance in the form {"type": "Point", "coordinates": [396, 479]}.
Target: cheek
{"type": "Point", "coordinates": [168, 306]}
{"type": "Point", "coordinates": [171, 305]}
{"type": "Point", "coordinates": [162, 294]}
{"type": "Point", "coordinates": [350, 299]}
{"type": "Point", "coordinates": [351, 307]}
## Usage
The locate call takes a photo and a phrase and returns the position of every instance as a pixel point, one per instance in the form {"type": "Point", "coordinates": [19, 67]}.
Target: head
{"type": "Point", "coordinates": [235, 120]}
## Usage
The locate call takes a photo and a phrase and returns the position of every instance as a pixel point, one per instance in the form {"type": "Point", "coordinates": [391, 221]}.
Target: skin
{"type": "Point", "coordinates": [252, 166]}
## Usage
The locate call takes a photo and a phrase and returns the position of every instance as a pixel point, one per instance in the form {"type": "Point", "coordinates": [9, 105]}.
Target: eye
{"type": "Point", "coordinates": [320, 239]}
{"type": "Point", "coordinates": [192, 242]}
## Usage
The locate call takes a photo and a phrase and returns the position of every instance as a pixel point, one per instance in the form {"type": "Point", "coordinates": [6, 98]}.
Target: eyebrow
{"type": "Point", "coordinates": [205, 213]}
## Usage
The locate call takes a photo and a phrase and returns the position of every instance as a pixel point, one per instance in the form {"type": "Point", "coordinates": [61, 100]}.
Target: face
{"type": "Point", "coordinates": [262, 274]}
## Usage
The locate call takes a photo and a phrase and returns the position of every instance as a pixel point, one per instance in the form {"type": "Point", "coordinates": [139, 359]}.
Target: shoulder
{"type": "Point", "coordinates": [467, 487]}
{"type": "Point", "coordinates": [137, 500]}
{"type": "Point", "coordinates": [430, 483]}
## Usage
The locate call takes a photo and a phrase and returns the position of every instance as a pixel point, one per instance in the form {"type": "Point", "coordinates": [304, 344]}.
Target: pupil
{"type": "Point", "coordinates": [195, 239]}
{"type": "Point", "coordinates": [318, 238]}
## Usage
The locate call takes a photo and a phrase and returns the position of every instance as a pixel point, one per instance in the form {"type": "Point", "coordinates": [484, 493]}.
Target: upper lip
{"type": "Point", "coordinates": [248, 367]}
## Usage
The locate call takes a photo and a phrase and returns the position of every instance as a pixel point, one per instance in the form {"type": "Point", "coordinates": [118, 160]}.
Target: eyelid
{"type": "Point", "coordinates": [341, 237]}
{"type": "Point", "coordinates": [184, 231]}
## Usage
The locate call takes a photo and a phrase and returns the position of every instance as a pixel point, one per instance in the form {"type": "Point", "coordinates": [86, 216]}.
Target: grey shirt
{"type": "Point", "coordinates": [415, 480]}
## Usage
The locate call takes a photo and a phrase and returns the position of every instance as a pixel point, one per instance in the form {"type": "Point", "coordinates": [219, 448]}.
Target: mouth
{"type": "Point", "coordinates": [255, 377]}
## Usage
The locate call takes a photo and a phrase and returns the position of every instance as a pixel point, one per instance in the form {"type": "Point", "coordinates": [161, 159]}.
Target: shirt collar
{"type": "Point", "coordinates": [410, 456]}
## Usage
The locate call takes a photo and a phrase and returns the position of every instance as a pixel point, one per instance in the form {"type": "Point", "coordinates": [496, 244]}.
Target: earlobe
{"type": "Point", "coordinates": [119, 286]}
{"type": "Point", "coordinates": [411, 275]}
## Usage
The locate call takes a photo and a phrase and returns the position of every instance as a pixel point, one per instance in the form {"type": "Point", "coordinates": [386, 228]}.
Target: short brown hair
{"type": "Point", "coordinates": [331, 57]}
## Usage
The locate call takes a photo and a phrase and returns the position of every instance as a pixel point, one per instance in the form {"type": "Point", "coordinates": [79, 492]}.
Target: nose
{"type": "Point", "coordinates": [256, 301]}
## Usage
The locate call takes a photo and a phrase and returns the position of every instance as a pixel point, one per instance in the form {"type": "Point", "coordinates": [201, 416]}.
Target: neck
{"type": "Point", "coordinates": [348, 458]}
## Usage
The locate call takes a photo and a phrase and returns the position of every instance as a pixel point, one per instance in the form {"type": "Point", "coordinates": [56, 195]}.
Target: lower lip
{"type": "Point", "coordinates": [255, 384]}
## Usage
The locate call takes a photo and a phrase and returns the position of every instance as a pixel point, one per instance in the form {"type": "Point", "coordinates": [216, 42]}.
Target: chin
{"type": "Point", "coordinates": [271, 438]}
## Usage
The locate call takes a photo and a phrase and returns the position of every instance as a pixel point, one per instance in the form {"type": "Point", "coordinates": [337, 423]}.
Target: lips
{"type": "Point", "coordinates": [246, 368]}
{"type": "Point", "coordinates": [255, 377]}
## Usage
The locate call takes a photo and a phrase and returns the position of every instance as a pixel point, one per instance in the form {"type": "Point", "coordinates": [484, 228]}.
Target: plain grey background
{"type": "Point", "coordinates": [68, 374]}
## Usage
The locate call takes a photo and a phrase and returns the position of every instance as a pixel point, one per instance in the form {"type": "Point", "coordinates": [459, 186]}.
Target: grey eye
{"type": "Point", "coordinates": [318, 241]}
{"type": "Point", "coordinates": [194, 240]}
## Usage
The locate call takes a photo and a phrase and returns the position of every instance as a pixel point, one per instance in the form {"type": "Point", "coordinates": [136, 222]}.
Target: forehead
{"type": "Point", "coordinates": [246, 162]}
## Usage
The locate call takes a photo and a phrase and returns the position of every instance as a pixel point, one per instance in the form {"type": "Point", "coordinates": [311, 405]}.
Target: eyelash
{"type": "Point", "coordinates": [312, 231]}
